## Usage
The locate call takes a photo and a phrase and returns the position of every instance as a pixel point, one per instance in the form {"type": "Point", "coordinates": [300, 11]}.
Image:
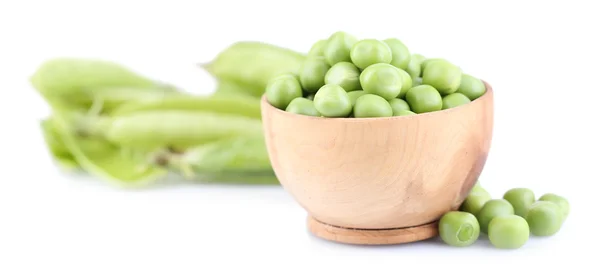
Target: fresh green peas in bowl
{"type": "Point", "coordinates": [411, 83]}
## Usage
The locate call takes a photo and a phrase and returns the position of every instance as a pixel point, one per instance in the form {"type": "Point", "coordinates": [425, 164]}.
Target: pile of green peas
{"type": "Point", "coordinates": [508, 221]}
{"type": "Point", "coordinates": [345, 77]}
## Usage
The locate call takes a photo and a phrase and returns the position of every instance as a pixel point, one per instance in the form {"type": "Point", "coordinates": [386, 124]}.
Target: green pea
{"type": "Point", "coordinates": [399, 105]}
{"type": "Point", "coordinates": [406, 83]}
{"type": "Point", "coordinates": [344, 74]}
{"type": "Point", "coordinates": [491, 209]}
{"type": "Point", "coordinates": [332, 101]}
{"type": "Point", "coordinates": [372, 106]}
{"type": "Point", "coordinates": [312, 73]}
{"type": "Point", "coordinates": [508, 232]}
{"type": "Point", "coordinates": [454, 100]}
{"type": "Point", "coordinates": [459, 229]}
{"type": "Point", "coordinates": [400, 53]}
{"type": "Point", "coordinates": [471, 87]}
{"type": "Point", "coordinates": [302, 106]}
{"type": "Point", "coordinates": [403, 113]}
{"type": "Point", "coordinates": [476, 199]}
{"type": "Point", "coordinates": [562, 202]}
{"type": "Point", "coordinates": [382, 79]}
{"type": "Point", "coordinates": [338, 47]}
{"type": "Point", "coordinates": [310, 96]}
{"type": "Point", "coordinates": [423, 99]}
{"type": "Point", "coordinates": [414, 65]}
{"type": "Point", "coordinates": [443, 76]}
{"type": "Point", "coordinates": [355, 95]}
{"type": "Point", "coordinates": [282, 89]}
{"type": "Point", "coordinates": [317, 48]}
{"type": "Point", "coordinates": [544, 218]}
{"type": "Point", "coordinates": [417, 81]}
{"type": "Point", "coordinates": [521, 199]}
{"type": "Point", "coordinates": [426, 61]}
{"type": "Point", "coordinates": [370, 51]}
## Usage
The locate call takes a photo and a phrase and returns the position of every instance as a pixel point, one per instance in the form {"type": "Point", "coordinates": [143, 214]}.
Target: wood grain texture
{"type": "Point", "coordinates": [372, 236]}
{"type": "Point", "coordinates": [380, 173]}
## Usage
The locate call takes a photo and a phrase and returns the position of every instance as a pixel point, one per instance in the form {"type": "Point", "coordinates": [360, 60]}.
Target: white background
{"type": "Point", "coordinates": [540, 57]}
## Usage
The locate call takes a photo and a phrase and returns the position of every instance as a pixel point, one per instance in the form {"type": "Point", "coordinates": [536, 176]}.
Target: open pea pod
{"type": "Point", "coordinates": [54, 143]}
{"type": "Point", "coordinates": [177, 129]}
{"type": "Point", "coordinates": [105, 160]}
{"type": "Point", "coordinates": [236, 154]}
{"type": "Point", "coordinates": [229, 160]}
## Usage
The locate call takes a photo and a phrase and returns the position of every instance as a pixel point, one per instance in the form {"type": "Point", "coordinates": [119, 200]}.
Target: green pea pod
{"type": "Point", "coordinates": [108, 99]}
{"type": "Point", "coordinates": [177, 129]}
{"type": "Point", "coordinates": [229, 160]}
{"type": "Point", "coordinates": [52, 139]}
{"type": "Point", "coordinates": [252, 64]}
{"type": "Point", "coordinates": [108, 161]}
{"type": "Point", "coordinates": [59, 152]}
{"type": "Point", "coordinates": [244, 178]}
{"type": "Point", "coordinates": [229, 105]}
{"type": "Point", "coordinates": [230, 88]}
{"type": "Point", "coordinates": [67, 163]}
{"type": "Point", "coordinates": [236, 154]}
{"type": "Point", "coordinates": [71, 79]}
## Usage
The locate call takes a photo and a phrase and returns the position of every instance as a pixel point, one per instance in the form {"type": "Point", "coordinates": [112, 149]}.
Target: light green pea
{"type": "Point", "coordinates": [406, 83]}
{"type": "Point", "coordinates": [303, 106]}
{"type": "Point", "coordinates": [355, 95]}
{"type": "Point", "coordinates": [508, 232]}
{"type": "Point", "coordinates": [454, 100]}
{"type": "Point", "coordinates": [491, 209]}
{"type": "Point", "coordinates": [423, 99]}
{"type": "Point", "coordinates": [338, 47]}
{"type": "Point", "coordinates": [414, 65]}
{"type": "Point", "coordinates": [312, 74]}
{"type": "Point", "coordinates": [544, 218]}
{"type": "Point", "coordinates": [403, 113]}
{"type": "Point", "coordinates": [459, 229]}
{"type": "Point", "coordinates": [317, 48]}
{"type": "Point", "coordinates": [521, 199]}
{"type": "Point", "coordinates": [417, 81]}
{"type": "Point", "coordinates": [282, 89]}
{"type": "Point", "coordinates": [382, 79]}
{"type": "Point", "coordinates": [476, 199]}
{"type": "Point", "coordinates": [471, 87]}
{"type": "Point", "coordinates": [399, 105]}
{"type": "Point", "coordinates": [344, 74]}
{"type": "Point", "coordinates": [561, 201]}
{"type": "Point", "coordinates": [400, 53]}
{"type": "Point", "coordinates": [370, 51]}
{"type": "Point", "coordinates": [443, 76]}
{"type": "Point", "coordinates": [332, 101]}
{"type": "Point", "coordinates": [372, 106]}
{"type": "Point", "coordinates": [426, 61]}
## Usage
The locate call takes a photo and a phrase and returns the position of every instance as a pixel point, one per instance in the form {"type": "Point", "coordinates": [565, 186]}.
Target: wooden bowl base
{"type": "Point", "coordinates": [372, 236]}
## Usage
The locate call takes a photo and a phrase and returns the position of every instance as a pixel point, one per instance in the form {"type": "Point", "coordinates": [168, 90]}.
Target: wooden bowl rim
{"type": "Point", "coordinates": [487, 95]}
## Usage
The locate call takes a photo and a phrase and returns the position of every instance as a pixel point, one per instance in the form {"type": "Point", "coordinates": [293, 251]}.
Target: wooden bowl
{"type": "Point", "coordinates": [379, 180]}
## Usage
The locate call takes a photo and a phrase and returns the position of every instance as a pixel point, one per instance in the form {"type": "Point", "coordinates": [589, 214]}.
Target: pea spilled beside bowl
{"type": "Point", "coordinates": [384, 165]}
